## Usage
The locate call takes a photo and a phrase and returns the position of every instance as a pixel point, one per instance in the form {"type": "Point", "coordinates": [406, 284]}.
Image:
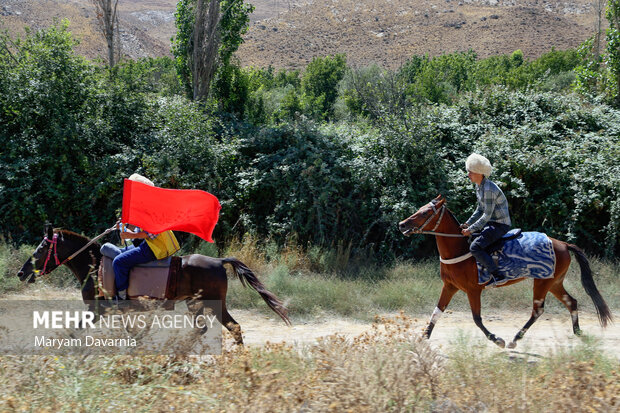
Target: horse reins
{"type": "Point", "coordinates": [419, 230]}
{"type": "Point", "coordinates": [54, 246]}
{"type": "Point", "coordinates": [436, 211]}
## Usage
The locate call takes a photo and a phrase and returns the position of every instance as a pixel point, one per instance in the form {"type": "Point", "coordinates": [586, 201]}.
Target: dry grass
{"type": "Point", "coordinates": [387, 369]}
{"type": "Point", "coordinates": [317, 281]}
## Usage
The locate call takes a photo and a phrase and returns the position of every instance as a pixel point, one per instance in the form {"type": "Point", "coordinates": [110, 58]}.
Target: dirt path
{"type": "Point", "coordinates": [550, 334]}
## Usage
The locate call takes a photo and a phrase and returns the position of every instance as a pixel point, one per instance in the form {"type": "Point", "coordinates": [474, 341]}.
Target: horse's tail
{"type": "Point", "coordinates": [247, 276]}
{"type": "Point", "coordinates": [602, 310]}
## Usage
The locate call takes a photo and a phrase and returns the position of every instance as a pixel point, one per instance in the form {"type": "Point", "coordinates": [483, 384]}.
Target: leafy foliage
{"type": "Point", "coordinates": [282, 169]}
{"type": "Point", "coordinates": [69, 131]}
{"type": "Point", "coordinates": [599, 76]}
{"type": "Point", "coordinates": [319, 85]}
{"type": "Point", "coordinates": [375, 93]}
{"type": "Point", "coordinates": [184, 19]}
{"type": "Point", "coordinates": [235, 17]}
{"type": "Point", "coordinates": [612, 59]}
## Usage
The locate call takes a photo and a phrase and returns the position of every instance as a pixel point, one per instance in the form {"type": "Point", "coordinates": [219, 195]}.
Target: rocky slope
{"type": "Point", "coordinates": [290, 33]}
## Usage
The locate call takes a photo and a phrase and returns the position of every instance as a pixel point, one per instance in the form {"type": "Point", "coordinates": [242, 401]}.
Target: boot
{"type": "Point", "coordinates": [498, 279]}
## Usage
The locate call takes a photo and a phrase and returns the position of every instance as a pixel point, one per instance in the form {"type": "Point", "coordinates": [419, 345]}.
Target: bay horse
{"type": "Point", "coordinates": [459, 271]}
{"type": "Point", "coordinates": [202, 277]}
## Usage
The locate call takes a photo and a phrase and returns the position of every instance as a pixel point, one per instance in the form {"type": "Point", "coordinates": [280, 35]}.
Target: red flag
{"type": "Point", "coordinates": [157, 209]}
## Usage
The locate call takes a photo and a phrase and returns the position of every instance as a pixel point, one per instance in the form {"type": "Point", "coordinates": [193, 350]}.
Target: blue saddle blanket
{"type": "Point", "coordinates": [530, 255]}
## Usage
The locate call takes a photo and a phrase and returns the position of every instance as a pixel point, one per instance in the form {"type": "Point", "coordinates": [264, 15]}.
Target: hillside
{"type": "Point", "coordinates": [289, 34]}
{"type": "Point", "coordinates": [388, 32]}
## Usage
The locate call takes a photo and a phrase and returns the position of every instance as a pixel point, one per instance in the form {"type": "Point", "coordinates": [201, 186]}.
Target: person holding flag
{"type": "Point", "coordinates": [154, 247]}
{"type": "Point", "coordinates": [159, 211]}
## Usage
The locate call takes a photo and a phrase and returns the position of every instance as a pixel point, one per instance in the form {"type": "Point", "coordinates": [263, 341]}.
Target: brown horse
{"type": "Point", "coordinates": [461, 273]}
{"type": "Point", "coordinates": [202, 278]}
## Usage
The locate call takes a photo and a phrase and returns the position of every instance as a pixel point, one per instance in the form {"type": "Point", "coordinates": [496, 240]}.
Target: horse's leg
{"type": "Point", "coordinates": [231, 325]}
{"type": "Point", "coordinates": [474, 303]}
{"type": "Point", "coordinates": [541, 287]}
{"type": "Point", "coordinates": [570, 303]}
{"type": "Point", "coordinates": [198, 308]}
{"type": "Point", "coordinates": [447, 292]}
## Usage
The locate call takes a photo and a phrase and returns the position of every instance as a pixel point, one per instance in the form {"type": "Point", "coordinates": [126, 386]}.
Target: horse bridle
{"type": "Point", "coordinates": [420, 230]}
{"type": "Point", "coordinates": [54, 247]}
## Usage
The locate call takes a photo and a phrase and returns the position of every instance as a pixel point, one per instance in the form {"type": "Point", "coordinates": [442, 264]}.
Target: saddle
{"type": "Point", "coordinates": [499, 244]}
{"type": "Point", "coordinates": [519, 255]}
{"type": "Point", "coordinates": [154, 280]}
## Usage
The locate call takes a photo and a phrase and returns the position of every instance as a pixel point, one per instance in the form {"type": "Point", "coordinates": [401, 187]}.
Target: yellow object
{"type": "Point", "coordinates": [163, 245]}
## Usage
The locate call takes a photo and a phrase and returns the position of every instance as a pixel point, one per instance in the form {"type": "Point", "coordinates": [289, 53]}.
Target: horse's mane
{"type": "Point", "coordinates": [452, 215]}
{"type": "Point", "coordinates": [73, 236]}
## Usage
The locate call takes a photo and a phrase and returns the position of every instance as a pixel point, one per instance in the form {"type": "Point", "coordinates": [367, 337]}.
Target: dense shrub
{"type": "Point", "coordinates": [297, 181]}
{"type": "Point", "coordinates": [71, 131]}
{"type": "Point", "coordinates": [375, 93]}
{"type": "Point", "coordinates": [68, 132]}
{"type": "Point", "coordinates": [442, 78]}
{"type": "Point", "coordinates": [319, 85]}
{"type": "Point", "coordinates": [556, 159]}
{"type": "Point", "coordinates": [273, 97]}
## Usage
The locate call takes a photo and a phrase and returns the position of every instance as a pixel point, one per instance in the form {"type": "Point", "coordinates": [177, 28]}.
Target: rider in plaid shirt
{"type": "Point", "coordinates": [491, 217]}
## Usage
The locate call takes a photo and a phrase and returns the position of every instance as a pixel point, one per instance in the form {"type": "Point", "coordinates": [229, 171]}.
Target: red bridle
{"type": "Point", "coordinates": [53, 246]}
{"type": "Point", "coordinates": [53, 243]}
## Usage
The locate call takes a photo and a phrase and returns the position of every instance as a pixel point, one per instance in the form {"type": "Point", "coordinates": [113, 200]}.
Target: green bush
{"type": "Point", "coordinates": [319, 85]}
{"type": "Point", "coordinates": [442, 78]}
{"type": "Point", "coordinates": [71, 131]}
{"type": "Point", "coordinates": [554, 158]}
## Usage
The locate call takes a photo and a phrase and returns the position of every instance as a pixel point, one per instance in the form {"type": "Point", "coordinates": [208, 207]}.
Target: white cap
{"type": "Point", "coordinates": [478, 164]}
{"type": "Point", "coordinates": [140, 178]}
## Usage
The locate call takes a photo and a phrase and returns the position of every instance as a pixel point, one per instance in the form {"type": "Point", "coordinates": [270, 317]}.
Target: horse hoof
{"type": "Point", "coordinates": [500, 342]}
{"type": "Point", "coordinates": [512, 344]}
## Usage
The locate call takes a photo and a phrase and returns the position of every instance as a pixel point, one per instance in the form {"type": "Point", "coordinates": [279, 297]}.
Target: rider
{"type": "Point", "coordinates": [154, 247]}
{"type": "Point", "coordinates": [491, 217]}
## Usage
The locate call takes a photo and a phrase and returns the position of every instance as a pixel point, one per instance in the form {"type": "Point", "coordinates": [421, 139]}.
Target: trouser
{"type": "Point", "coordinates": [492, 232]}
{"type": "Point", "coordinates": [127, 259]}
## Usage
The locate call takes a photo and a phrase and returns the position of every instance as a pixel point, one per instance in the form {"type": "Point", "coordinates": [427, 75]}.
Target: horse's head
{"type": "Point", "coordinates": [423, 218]}
{"type": "Point", "coordinates": [43, 259]}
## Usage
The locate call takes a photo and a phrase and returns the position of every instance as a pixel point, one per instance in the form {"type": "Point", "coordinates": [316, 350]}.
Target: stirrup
{"type": "Point", "coordinates": [497, 280]}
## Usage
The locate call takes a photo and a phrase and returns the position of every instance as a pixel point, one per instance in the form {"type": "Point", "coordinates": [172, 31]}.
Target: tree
{"type": "Point", "coordinates": [599, 7]}
{"type": "Point", "coordinates": [108, 22]}
{"type": "Point", "coordinates": [69, 134]}
{"type": "Point", "coordinates": [319, 84]}
{"type": "Point", "coordinates": [613, 46]}
{"type": "Point", "coordinates": [208, 33]}
{"type": "Point", "coordinates": [206, 42]}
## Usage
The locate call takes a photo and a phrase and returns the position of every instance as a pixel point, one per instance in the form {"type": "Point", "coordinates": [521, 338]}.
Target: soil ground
{"type": "Point", "coordinates": [550, 334]}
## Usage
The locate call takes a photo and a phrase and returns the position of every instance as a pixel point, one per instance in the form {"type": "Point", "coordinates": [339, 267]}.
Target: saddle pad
{"type": "Point", "coordinates": [531, 255]}
{"type": "Point", "coordinates": [151, 282]}
{"type": "Point", "coordinates": [105, 278]}
{"type": "Point", "coordinates": [148, 282]}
